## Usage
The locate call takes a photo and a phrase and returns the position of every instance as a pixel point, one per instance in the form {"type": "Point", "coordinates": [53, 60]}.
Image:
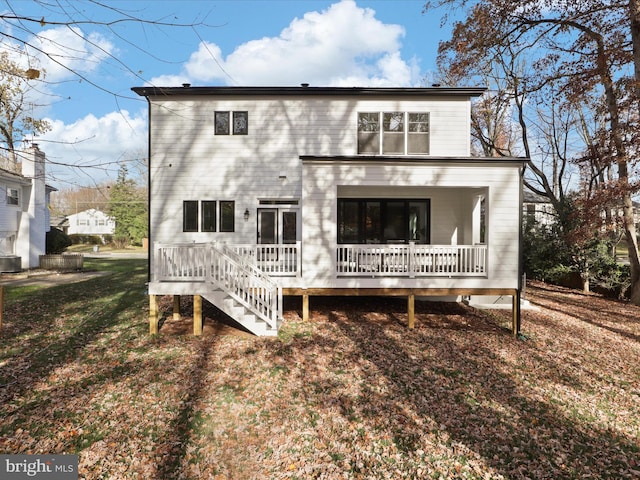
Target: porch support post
{"type": "Point", "coordinates": [153, 315]}
{"type": "Point", "coordinates": [176, 307]}
{"type": "Point", "coordinates": [305, 307]}
{"type": "Point", "coordinates": [197, 315]}
{"type": "Point", "coordinates": [1, 303]}
{"type": "Point", "coordinates": [411, 310]}
{"type": "Point", "coordinates": [515, 311]}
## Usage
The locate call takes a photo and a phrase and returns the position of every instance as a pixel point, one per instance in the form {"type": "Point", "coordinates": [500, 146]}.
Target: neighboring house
{"type": "Point", "coordinates": [91, 222]}
{"type": "Point", "coordinates": [258, 192]}
{"type": "Point", "coordinates": [61, 223]}
{"type": "Point", "coordinates": [24, 210]}
{"type": "Point", "coordinates": [537, 209]}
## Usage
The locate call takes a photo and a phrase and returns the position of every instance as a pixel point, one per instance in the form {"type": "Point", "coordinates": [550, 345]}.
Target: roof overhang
{"type": "Point", "coordinates": [395, 92]}
{"type": "Point", "coordinates": [14, 177]}
{"type": "Point", "coordinates": [372, 159]}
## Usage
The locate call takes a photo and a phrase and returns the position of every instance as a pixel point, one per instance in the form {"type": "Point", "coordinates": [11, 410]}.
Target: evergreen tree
{"type": "Point", "coordinates": [128, 206]}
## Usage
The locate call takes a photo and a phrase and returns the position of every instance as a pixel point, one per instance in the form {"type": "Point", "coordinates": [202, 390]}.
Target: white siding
{"type": "Point", "coordinates": [189, 162]}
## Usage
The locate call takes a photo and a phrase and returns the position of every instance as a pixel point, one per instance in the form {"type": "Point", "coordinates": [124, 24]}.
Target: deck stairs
{"type": "Point", "coordinates": [244, 292]}
{"type": "Point", "coordinates": [241, 314]}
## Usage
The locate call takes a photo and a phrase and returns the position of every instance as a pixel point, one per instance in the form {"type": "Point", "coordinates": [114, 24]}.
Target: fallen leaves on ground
{"type": "Point", "coordinates": [352, 394]}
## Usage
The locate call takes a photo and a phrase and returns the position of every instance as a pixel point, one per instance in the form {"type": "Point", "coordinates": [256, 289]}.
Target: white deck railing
{"type": "Point", "coordinates": [275, 260]}
{"type": "Point", "coordinates": [238, 277]}
{"type": "Point", "coordinates": [187, 262]}
{"type": "Point", "coordinates": [411, 260]}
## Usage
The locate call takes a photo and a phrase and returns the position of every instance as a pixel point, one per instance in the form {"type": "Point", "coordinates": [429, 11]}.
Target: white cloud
{"type": "Point", "coordinates": [64, 50]}
{"type": "Point", "coordinates": [344, 45]}
{"type": "Point", "coordinates": [91, 149]}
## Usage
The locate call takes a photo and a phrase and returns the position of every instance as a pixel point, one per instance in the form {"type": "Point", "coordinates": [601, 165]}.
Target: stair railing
{"type": "Point", "coordinates": [246, 284]}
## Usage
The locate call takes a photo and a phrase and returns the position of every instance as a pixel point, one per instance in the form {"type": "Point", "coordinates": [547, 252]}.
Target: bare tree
{"type": "Point", "coordinates": [586, 49]}
{"type": "Point", "coordinates": [15, 119]}
{"type": "Point", "coordinates": [85, 24]}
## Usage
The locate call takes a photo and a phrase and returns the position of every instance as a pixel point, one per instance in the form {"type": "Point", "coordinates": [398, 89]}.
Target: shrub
{"type": "Point", "coordinates": [120, 241]}
{"type": "Point", "coordinates": [84, 239]}
{"type": "Point", "coordinates": [57, 241]}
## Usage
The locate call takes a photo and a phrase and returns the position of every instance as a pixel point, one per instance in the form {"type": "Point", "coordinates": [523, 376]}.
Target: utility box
{"type": "Point", "coordinates": [10, 264]}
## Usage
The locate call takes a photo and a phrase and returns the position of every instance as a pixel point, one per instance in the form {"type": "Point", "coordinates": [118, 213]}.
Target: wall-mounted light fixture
{"type": "Point", "coordinates": [246, 214]}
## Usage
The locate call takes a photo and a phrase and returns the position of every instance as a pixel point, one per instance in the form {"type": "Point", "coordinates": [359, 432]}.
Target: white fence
{"type": "Point", "coordinates": [411, 260]}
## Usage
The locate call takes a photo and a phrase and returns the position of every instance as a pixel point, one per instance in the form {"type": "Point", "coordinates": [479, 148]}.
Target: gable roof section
{"type": "Point", "coordinates": [6, 175]}
{"type": "Point", "coordinates": [188, 90]}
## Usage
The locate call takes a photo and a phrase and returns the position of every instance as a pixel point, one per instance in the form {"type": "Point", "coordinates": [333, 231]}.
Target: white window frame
{"type": "Point", "coordinates": [384, 128]}
{"type": "Point", "coordinates": [13, 196]}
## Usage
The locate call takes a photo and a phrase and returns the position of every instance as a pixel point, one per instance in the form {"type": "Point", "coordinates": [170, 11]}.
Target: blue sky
{"type": "Point", "coordinates": [98, 122]}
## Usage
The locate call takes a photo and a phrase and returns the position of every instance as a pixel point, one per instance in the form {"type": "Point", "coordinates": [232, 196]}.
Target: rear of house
{"type": "Point", "coordinates": [263, 192]}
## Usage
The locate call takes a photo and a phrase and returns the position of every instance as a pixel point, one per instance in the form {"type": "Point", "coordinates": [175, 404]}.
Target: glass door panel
{"type": "Point", "coordinates": [267, 226]}
{"type": "Point", "coordinates": [289, 227]}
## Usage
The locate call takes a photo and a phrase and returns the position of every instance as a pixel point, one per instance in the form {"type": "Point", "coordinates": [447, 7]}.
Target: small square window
{"type": "Point", "coordinates": [240, 123]}
{"type": "Point", "coordinates": [221, 123]}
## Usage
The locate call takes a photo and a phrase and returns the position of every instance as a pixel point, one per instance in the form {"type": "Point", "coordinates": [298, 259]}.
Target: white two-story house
{"type": "Point", "coordinates": [258, 192]}
{"type": "Point", "coordinates": [24, 210]}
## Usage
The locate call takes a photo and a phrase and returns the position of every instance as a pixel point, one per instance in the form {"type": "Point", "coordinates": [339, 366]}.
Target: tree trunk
{"type": "Point", "coordinates": [629, 223]}
{"type": "Point", "coordinates": [634, 17]}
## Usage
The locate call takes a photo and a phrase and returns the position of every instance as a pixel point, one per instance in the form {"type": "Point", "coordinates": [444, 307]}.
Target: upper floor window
{"type": "Point", "coordinates": [403, 133]}
{"type": "Point", "coordinates": [221, 120]}
{"type": "Point", "coordinates": [12, 196]}
{"type": "Point", "coordinates": [225, 124]}
{"type": "Point", "coordinates": [240, 123]}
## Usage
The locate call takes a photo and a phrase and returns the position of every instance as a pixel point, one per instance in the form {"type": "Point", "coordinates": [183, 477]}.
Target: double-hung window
{"type": "Point", "coordinates": [403, 133]}
{"type": "Point", "coordinates": [12, 196]}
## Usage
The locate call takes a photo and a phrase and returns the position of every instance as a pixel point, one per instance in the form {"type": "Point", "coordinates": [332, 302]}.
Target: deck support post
{"type": "Point", "coordinates": [153, 315]}
{"type": "Point", "coordinates": [305, 308]}
{"type": "Point", "coordinates": [515, 311]}
{"type": "Point", "coordinates": [197, 315]}
{"type": "Point", "coordinates": [1, 303]}
{"type": "Point", "coordinates": [411, 310]}
{"type": "Point", "coordinates": [176, 307]}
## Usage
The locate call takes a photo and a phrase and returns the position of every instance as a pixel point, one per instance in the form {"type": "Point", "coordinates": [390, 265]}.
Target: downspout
{"type": "Point", "coordinates": [517, 321]}
{"type": "Point", "coordinates": [149, 248]}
